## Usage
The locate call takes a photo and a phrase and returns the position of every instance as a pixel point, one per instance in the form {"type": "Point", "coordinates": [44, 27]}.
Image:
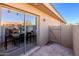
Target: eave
{"type": "Point", "coordinates": [45, 9]}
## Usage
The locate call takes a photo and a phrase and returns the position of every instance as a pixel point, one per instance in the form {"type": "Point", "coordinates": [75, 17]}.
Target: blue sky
{"type": "Point", "coordinates": [69, 11]}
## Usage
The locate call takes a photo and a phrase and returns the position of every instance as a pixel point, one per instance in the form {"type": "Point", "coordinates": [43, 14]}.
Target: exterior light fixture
{"type": "Point", "coordinates": [44, 20]}
{"type": "Point", "coordinates": [8, 11]}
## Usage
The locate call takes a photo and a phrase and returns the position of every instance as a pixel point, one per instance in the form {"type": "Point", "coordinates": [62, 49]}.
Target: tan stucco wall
{"type": "Point", "coordinates": [43, 27]}
{"type": "Point", "coordinates": [63, 35]}
{"type": "Point", "coordinates": [76, 39]}
{"type": "Point", "coordinates": [66, 36]}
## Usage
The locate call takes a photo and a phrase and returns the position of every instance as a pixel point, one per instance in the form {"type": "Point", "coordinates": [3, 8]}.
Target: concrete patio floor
{"type": "Point", "coordinates": [53, 49]}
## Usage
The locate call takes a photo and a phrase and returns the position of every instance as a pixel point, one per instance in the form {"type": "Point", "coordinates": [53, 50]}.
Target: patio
{"type": "Point", "coordinates": [53, 49]}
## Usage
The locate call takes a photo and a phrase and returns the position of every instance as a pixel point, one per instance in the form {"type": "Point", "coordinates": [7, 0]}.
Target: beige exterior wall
{"type": "Point", "coordinates": [76, 39]}
{"type": "Point", "coordinates": [43, 25]}
{"type": "Point", "coordinates": [66, 36]}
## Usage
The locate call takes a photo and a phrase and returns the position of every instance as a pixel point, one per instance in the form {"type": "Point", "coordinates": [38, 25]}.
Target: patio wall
{"type": "Point", "coordinates": [76, 39]}
{"type": "Point", "coordinates": [62, 34]}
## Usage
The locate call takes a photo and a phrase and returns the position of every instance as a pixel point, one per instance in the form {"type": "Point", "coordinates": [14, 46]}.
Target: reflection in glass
{"type": "Point", "coordinates": [18, 32]}
{"type": "Point", "coordinates": [12, 28]}
{"type": "Point", "coordinates": [31, 26]}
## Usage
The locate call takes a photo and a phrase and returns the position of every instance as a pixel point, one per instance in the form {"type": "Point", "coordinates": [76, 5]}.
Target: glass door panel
{"type": "Point", "coordinates": [31, 35]}
{"type": "Point", "coordinates": [12, 32]}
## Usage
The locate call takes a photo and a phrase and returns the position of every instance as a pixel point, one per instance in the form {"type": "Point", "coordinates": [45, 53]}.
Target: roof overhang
{"type": "Point", "coordinates": [48, 9]}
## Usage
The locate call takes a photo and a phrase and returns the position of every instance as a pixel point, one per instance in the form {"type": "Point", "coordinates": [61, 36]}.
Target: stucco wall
{"type": "Point", "coordinates": [76, 39]}
{"type": "Point", "coordinates": [43, 25]}
{"type": "Point", "coordinates": [62, 35]}
{"type": "Point", "coordinates": [66, 35]}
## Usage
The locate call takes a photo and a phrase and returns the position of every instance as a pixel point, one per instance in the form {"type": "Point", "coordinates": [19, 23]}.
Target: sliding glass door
{"type": "Point", "coordinates": [18, 32]}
